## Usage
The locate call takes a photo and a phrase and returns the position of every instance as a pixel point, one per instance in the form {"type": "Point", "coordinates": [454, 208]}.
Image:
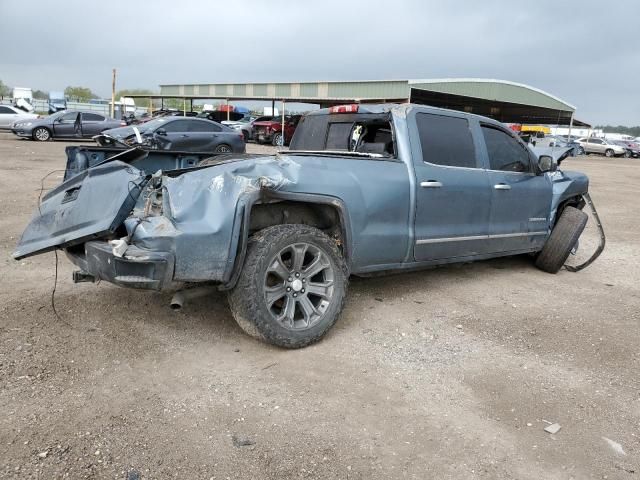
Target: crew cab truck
{"type": "Point", "coordinates": [362, 189]}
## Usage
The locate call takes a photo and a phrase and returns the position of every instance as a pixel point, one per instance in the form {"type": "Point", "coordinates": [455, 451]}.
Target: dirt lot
{"type": "Point", "coordinates": [447, 373]}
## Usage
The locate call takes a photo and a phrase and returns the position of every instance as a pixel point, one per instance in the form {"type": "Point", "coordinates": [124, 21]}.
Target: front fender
{"type": "Point", "coordinates": [566, 185]}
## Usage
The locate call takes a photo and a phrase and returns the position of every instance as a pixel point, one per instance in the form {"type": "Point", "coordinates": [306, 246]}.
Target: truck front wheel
{"type": "Point", "coordinates": [292, 286]}
{"type": "Point", "coordinates": [563, 238]}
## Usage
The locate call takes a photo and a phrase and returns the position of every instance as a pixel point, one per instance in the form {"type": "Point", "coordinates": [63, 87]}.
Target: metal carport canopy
{"type": "Point", "coordinates": [505, 101]}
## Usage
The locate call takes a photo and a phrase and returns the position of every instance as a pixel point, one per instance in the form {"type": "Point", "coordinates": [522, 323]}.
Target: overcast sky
{"type": "Point", "coordinates": [585, 52]}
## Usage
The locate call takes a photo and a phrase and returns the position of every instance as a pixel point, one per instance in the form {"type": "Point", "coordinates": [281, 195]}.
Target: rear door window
{"type": "Point", "coordinates": [446, 140]}
{"type": "Point", "coordinates": [92, 117]}
{"type": "Point", "coordinates": [69, 117]}
{"type": "Point", "coordinates": [6, 110]}
{"type": "Point", "coordinates": [505, 152]}
{"type": "Point", "coordinates": [176, 126]}
{"type": "Point", "coordinates": [203, 126]}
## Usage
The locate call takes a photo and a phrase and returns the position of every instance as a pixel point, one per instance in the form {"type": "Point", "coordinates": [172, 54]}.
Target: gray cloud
{"type": "Point", "coordinates": [585, 52]}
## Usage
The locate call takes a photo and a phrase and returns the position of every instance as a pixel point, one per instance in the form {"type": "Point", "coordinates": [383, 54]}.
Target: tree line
{"type": "Point", "coordinates": [75, 94]}
{"type": "Point", "coordinates": [633, 131]}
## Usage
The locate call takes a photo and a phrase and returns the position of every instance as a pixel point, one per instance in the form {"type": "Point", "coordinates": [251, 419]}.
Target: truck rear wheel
{"type": "Point", "coordinates": [277, 140]}
{"type": "Point", "coordinates": [292, 286]}
{"type": "Point", "coordinates": [563, 238]}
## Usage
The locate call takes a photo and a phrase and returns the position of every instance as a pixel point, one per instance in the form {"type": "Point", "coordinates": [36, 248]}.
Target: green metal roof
{"type": "Point", "coordinates": [383, 90]}
{"type": "Point", "coordinates": [375, 90]}
{"type": "Point", "coordinates": [497, 90]}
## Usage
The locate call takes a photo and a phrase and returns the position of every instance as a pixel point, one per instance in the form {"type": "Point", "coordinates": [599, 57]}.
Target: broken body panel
{"type": "Point", "coordinates": [184, 220]}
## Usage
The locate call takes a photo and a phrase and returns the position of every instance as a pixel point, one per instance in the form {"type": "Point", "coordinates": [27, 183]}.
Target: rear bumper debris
{"type": "Point", "coordinates": [138, 268]}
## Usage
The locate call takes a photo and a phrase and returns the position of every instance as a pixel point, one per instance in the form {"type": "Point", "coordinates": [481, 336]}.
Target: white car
{"type": "Point", "coordinates": [9, 115]}
{"type": "Point", "coordinates": [601, 146]}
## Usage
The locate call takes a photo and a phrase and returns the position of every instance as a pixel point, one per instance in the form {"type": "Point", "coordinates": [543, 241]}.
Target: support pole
{"type": "Point", "coordinates": [283, 139]}
{"type": "Point", "coordinates": [184, 106]}
{"type": "Point", "coordinates": [227, 100]}
{"type": "Point", "coordinates": [150, 105]}
{"type": "Point", "coordinates": [113, 92]}
{"type": "Point", "coordinates": [273, 108]}
{"type": "Point", "coordinates": [570, 127]}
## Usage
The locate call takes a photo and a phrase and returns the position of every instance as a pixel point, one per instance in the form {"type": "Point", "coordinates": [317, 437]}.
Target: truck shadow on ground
{"type": "Point", "coordinates": [209, 315]}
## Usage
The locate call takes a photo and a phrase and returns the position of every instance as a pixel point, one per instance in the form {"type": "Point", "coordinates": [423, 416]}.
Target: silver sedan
{"type": "Point", "coordinates": [10, 115]}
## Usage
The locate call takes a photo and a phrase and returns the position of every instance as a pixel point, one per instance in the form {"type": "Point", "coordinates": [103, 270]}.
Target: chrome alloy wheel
{"type": "Point", "coordinates": [298, 286]}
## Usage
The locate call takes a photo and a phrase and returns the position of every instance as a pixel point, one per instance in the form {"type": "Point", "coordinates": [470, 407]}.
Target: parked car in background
{"type": "Point", "coordinates": [632, 148]}
{"type": "Point", "coordinates": [220, 116]}
{"type": "Point", "coordinates": [66, 124]}
{"type": "Point", "coordinates": [601, 146]}
{"type": "Point", "coordinates": [270, 131]}
{"type": "Point", "coordinates": [249, 130]}
{"type": "Point", "coordinates": [57, 102]}
{"type": "Point", "coordinates": [186, 134]}
{"type": "Point", "coordinates": [10, 115]}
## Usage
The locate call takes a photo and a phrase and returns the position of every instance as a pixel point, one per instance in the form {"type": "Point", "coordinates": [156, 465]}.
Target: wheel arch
{"type": "Point", "coordinates": [45, 127]}
{"type": "Point", "coordinates": [277, 208]}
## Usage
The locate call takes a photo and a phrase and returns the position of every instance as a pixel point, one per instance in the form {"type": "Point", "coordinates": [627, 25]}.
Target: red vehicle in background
{"type": "Point", "coordinates": [270, 131]}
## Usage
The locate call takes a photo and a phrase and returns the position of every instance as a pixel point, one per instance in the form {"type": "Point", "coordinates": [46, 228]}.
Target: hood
{"type": "Point", "coordinates": [557, 153]}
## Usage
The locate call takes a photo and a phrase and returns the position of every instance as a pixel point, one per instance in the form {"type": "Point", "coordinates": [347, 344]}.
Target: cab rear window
{"type": "Point", "coordinates": [338, 136]}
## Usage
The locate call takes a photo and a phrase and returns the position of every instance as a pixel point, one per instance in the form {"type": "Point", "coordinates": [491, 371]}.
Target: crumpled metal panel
{"type": "Point", "coordinates": [202, 207]}
{"type": "Point", "coordinates": [566, 185]}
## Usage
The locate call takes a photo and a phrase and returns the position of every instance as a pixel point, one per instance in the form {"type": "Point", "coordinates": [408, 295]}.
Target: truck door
{"type": "Point", "coordinates": [453, 196]}
{"type": "Point", "coordinates": [520, 198]}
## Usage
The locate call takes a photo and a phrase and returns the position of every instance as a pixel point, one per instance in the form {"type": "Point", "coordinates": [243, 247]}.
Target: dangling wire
{"type": "Point", "coordinates": [53, 292]}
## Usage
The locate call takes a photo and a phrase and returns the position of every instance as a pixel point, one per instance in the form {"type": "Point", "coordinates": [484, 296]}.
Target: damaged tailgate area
{"type": "Point", "coordinates": [119, 222]}
{"type": "Point", "coordinates": [90, 205]}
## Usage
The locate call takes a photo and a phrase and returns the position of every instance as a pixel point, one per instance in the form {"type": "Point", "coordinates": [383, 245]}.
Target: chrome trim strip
{"type": "Point", "coordinates": [424, 241]}
{"type": "Point", "coordinates": [431, 184]}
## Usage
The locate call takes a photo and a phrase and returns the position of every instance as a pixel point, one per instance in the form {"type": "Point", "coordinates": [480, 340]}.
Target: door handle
{"type": "Point", "coordinates": [185, 136]}
{"type": "Point", "coordinates": [431, 184]}
{"type": "Point", "coordinates": [502, 186]}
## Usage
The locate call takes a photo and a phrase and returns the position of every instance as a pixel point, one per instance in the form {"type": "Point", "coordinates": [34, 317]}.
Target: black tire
{"type": "Point", "coordinates": [42, 134]}
{"type": "Point", "coordinates": [248, 299]}
{"type": "Point", "coordinates": [563, 238]}
{"type": "Point", "coordinates": [223, 148]}
{"type": "Point", "coordinates": [581, 151]}
{"type": "Point", "coordinates": [608, 153]}
{"type": "Point", "coordinates": [627, 154]}
{"type": "Point", "coordinates": [277, 140]}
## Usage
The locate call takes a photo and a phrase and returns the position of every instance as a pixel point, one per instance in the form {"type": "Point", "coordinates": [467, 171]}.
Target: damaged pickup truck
{"type": "Point", "coordinates": [363, 189]}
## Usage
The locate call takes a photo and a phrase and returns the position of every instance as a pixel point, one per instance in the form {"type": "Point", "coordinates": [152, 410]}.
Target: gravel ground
{"type": "Point", "coordinates": [446, 373]}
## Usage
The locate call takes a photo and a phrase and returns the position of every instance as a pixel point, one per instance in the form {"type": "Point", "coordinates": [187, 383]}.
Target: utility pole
{"type": "Point", "coordinates": [113, 93]}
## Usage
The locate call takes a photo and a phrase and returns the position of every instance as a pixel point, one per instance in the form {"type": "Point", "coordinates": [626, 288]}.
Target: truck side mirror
{"type": "Point", "coordinates": [546, 164]}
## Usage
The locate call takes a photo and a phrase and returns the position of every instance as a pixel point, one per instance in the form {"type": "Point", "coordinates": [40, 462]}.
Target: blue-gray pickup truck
{"type": "Point", "coordinates": [362, 189]}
